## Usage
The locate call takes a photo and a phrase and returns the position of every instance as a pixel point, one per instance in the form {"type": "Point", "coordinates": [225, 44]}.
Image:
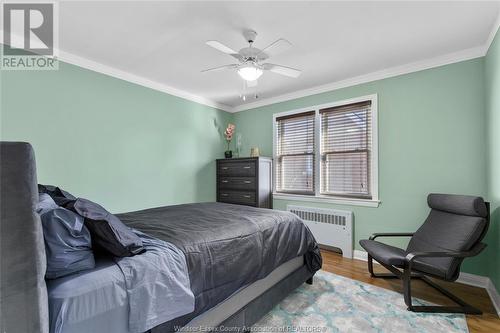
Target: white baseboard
{"type": "Point", "coordinates": [465, 278]}
{"type": "Point", "coordinates": [473, 280]}
{"type": "Point", "coordinates": [360, 255]}
{"type": "Point", "coordinates": [494, 296]}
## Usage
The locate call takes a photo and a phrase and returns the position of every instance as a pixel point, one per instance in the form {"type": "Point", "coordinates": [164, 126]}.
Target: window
{"type": "Point", "coordinates": [328, 152]}
{"type": "Point", "coordinates": [295, 153]}
{"type": "Point", "coordinates": [345, 150]}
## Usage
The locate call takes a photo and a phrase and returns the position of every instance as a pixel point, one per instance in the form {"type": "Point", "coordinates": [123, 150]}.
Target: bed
{"type": "Point", "coordinates": [241, 262]}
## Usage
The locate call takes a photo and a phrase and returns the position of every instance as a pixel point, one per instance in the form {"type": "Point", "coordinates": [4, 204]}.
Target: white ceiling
{"type": "Point", "coordinates": [164, 42]}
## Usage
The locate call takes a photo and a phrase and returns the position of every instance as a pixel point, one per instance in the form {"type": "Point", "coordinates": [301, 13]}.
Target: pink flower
{"type": "Point", "coordinates": [229, 132]}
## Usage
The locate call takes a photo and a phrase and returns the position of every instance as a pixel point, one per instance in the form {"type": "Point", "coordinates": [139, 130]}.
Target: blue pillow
{"type": "Point", "coordinates": [67, 243]}
{"type": "Point", "coordinates": [45, 203]}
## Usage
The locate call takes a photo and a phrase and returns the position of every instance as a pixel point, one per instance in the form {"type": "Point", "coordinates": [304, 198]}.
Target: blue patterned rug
{"type": "Point", "coordinates": [337, 304]}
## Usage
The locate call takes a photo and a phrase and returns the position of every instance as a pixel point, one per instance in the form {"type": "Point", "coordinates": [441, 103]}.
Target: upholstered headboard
{"type": "Point", "coordinates": [23, 293]}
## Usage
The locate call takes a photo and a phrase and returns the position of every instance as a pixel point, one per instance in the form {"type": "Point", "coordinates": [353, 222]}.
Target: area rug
{"type": "Point", "coordinates": [337, 304]}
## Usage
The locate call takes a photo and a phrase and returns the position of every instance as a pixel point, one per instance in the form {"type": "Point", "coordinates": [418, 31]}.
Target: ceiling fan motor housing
{"type": "Point", "coordinates": [252, 54]}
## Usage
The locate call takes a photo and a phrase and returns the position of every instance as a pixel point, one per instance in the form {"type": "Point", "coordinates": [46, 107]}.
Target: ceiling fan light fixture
{"type": "Point", "coordinates": [249, 72]}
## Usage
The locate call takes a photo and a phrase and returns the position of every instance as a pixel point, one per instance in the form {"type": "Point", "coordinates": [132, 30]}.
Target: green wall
{"type": "Point", "coordinates": [120, 144]}
{"type": "Point", "coordinates": [492, 78]}
{"type": "Point", "coordinates": [431, 139]}
{"type": "Point", "coordinates": [129, 147]}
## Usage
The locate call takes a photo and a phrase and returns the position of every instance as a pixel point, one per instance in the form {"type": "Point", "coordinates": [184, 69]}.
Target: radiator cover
{"type": "Point", "coordinates": [330, 227]}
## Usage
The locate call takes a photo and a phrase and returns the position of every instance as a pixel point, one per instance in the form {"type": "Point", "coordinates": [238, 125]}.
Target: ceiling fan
{"type": "Point", "coordinates": [250, 66]}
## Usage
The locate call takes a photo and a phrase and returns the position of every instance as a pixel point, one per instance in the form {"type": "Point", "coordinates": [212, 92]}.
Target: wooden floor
{"type": "Point", "coordinates": [478, 297]}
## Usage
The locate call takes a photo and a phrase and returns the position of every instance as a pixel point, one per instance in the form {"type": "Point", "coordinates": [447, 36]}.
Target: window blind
{"type": "Point", "coordinates": [346, 145]}
{"type": "Point", "coordinates": [295, 153]}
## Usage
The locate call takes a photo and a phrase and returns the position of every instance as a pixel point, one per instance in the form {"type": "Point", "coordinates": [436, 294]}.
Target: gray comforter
{"type": "Point", "coordinates": [227, 246]}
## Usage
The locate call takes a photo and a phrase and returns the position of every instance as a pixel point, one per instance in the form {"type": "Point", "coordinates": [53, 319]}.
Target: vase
{"type": "Point", "coordinates": [228, 154]}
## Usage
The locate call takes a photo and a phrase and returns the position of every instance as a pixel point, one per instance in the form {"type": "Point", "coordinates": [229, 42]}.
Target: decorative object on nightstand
{"type": "Point", "coordinates": [228, 133]}
{"type": "Point", "coordinates": [254, 152]}
{"type": "Point", "coordinates": [245, 181]}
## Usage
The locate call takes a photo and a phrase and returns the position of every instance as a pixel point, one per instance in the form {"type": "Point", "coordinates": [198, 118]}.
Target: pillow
{"type": "Point", "coordinates": [45, 203]}
{"type": "Point", "coordinates": [108, 232]}
{"type": "Point", "coordinates": [60, 196]}
{"type": "Point", "coordinates": [67, 243]}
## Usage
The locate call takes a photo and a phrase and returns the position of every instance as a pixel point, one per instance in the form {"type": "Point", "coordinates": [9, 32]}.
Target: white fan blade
{"type": "Point", "coordinates": [251, 84]}
{"type": "Point", "coordinates": [283, 70]}
{"type": "Point", "coordinates": [221, 47]}
{"type": "Point", "coordinates": [275, 48]}
{"type": "Point", "coordinates": [220, 67]}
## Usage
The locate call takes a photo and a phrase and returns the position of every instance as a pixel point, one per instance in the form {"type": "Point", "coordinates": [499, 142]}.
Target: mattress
{"type": "Point", "coordinates": [226, 246]}
{"type": "Point", "coordinates": [96, 300]}
{"type": "Point", "coordinates": [238, 300]}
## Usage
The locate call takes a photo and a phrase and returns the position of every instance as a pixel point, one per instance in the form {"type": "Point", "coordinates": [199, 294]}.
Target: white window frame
{"type": "Point", "coordinates": [374, 201]}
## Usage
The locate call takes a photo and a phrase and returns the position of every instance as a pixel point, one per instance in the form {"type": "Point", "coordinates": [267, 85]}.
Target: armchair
{"type": "Point", "coordinates": [453, 231]}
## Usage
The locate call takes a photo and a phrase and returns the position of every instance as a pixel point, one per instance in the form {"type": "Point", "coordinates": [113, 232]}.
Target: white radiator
{"type": "Point", "coordinates": [330, 227]}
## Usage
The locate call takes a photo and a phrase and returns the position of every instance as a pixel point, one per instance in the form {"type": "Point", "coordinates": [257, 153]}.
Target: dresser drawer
{"type": "Point", "coordinates": [237, 183]}
{"type": "Point", "coordinates": [237, 197]}
{"type": "Point", "coordinates": [242, 169]}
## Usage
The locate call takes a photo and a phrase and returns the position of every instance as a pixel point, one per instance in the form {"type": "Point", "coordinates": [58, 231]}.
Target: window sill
{"type": "Point", "coordinates": [327, 199]}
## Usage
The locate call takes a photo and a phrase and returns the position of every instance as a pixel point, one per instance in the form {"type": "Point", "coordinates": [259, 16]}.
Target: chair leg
{"type": "Point", "coordinates": [407, 288]}
{"type": "Point", "coordinates": [395, 273]}
{"type": "Point", "coordinates": [462, 308]}
{"type": "Point", "coordinates": [370, 266]}
{"type": "Point", "coordinates": [406, 276]}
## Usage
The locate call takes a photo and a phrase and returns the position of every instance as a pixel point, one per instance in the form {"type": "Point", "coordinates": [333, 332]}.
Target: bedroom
{"type": "Point", "coordinates": [122, 155]}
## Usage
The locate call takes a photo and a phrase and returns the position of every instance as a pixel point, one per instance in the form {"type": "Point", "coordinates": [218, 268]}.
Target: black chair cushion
{"type": "Point", "coordinates": [445, 232]}
{"type": "Point", "coordinates": [458, 204]}
{"type": "Point", "coordinates": [383, 253]}
{"type": "Point", "coordinates": [394, 256]}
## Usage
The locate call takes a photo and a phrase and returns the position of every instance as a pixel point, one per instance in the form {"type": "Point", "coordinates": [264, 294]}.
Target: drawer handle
{"type": "Point", "coordinates": [225, 168]}
{"type": "Point", "coordinates": [246, 167]}
{"type": "Point", "coordinates": [247, 182]}
{"type": "Point", "coordinates": [224, 194]}
{"type": "Point", "coordinates": [225, 181]}
{"type": "Point", "coordinates": [247, 196]}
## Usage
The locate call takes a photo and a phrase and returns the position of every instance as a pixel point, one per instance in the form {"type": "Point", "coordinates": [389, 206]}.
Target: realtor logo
{"type": "Point", "coordinates": [29, 36]}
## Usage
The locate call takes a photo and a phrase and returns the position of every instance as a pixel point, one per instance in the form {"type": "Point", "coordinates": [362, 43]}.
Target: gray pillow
{"type": "Point", "coordinates": [67, 243]}
{"type": "Point", "coordinates": [45, 203]}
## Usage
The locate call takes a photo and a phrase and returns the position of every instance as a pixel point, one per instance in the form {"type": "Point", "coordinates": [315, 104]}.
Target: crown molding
{"type": "Point", "coordinates": [492, 34]}
{"type": "Point", "coordinates": [450, 58]}
{"type": "Point", "coordinates": [94, 66]}
{"type": "Point", "coordinates": [126, 76]}
{"type": "Point", "coordinates": [374, 76]}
